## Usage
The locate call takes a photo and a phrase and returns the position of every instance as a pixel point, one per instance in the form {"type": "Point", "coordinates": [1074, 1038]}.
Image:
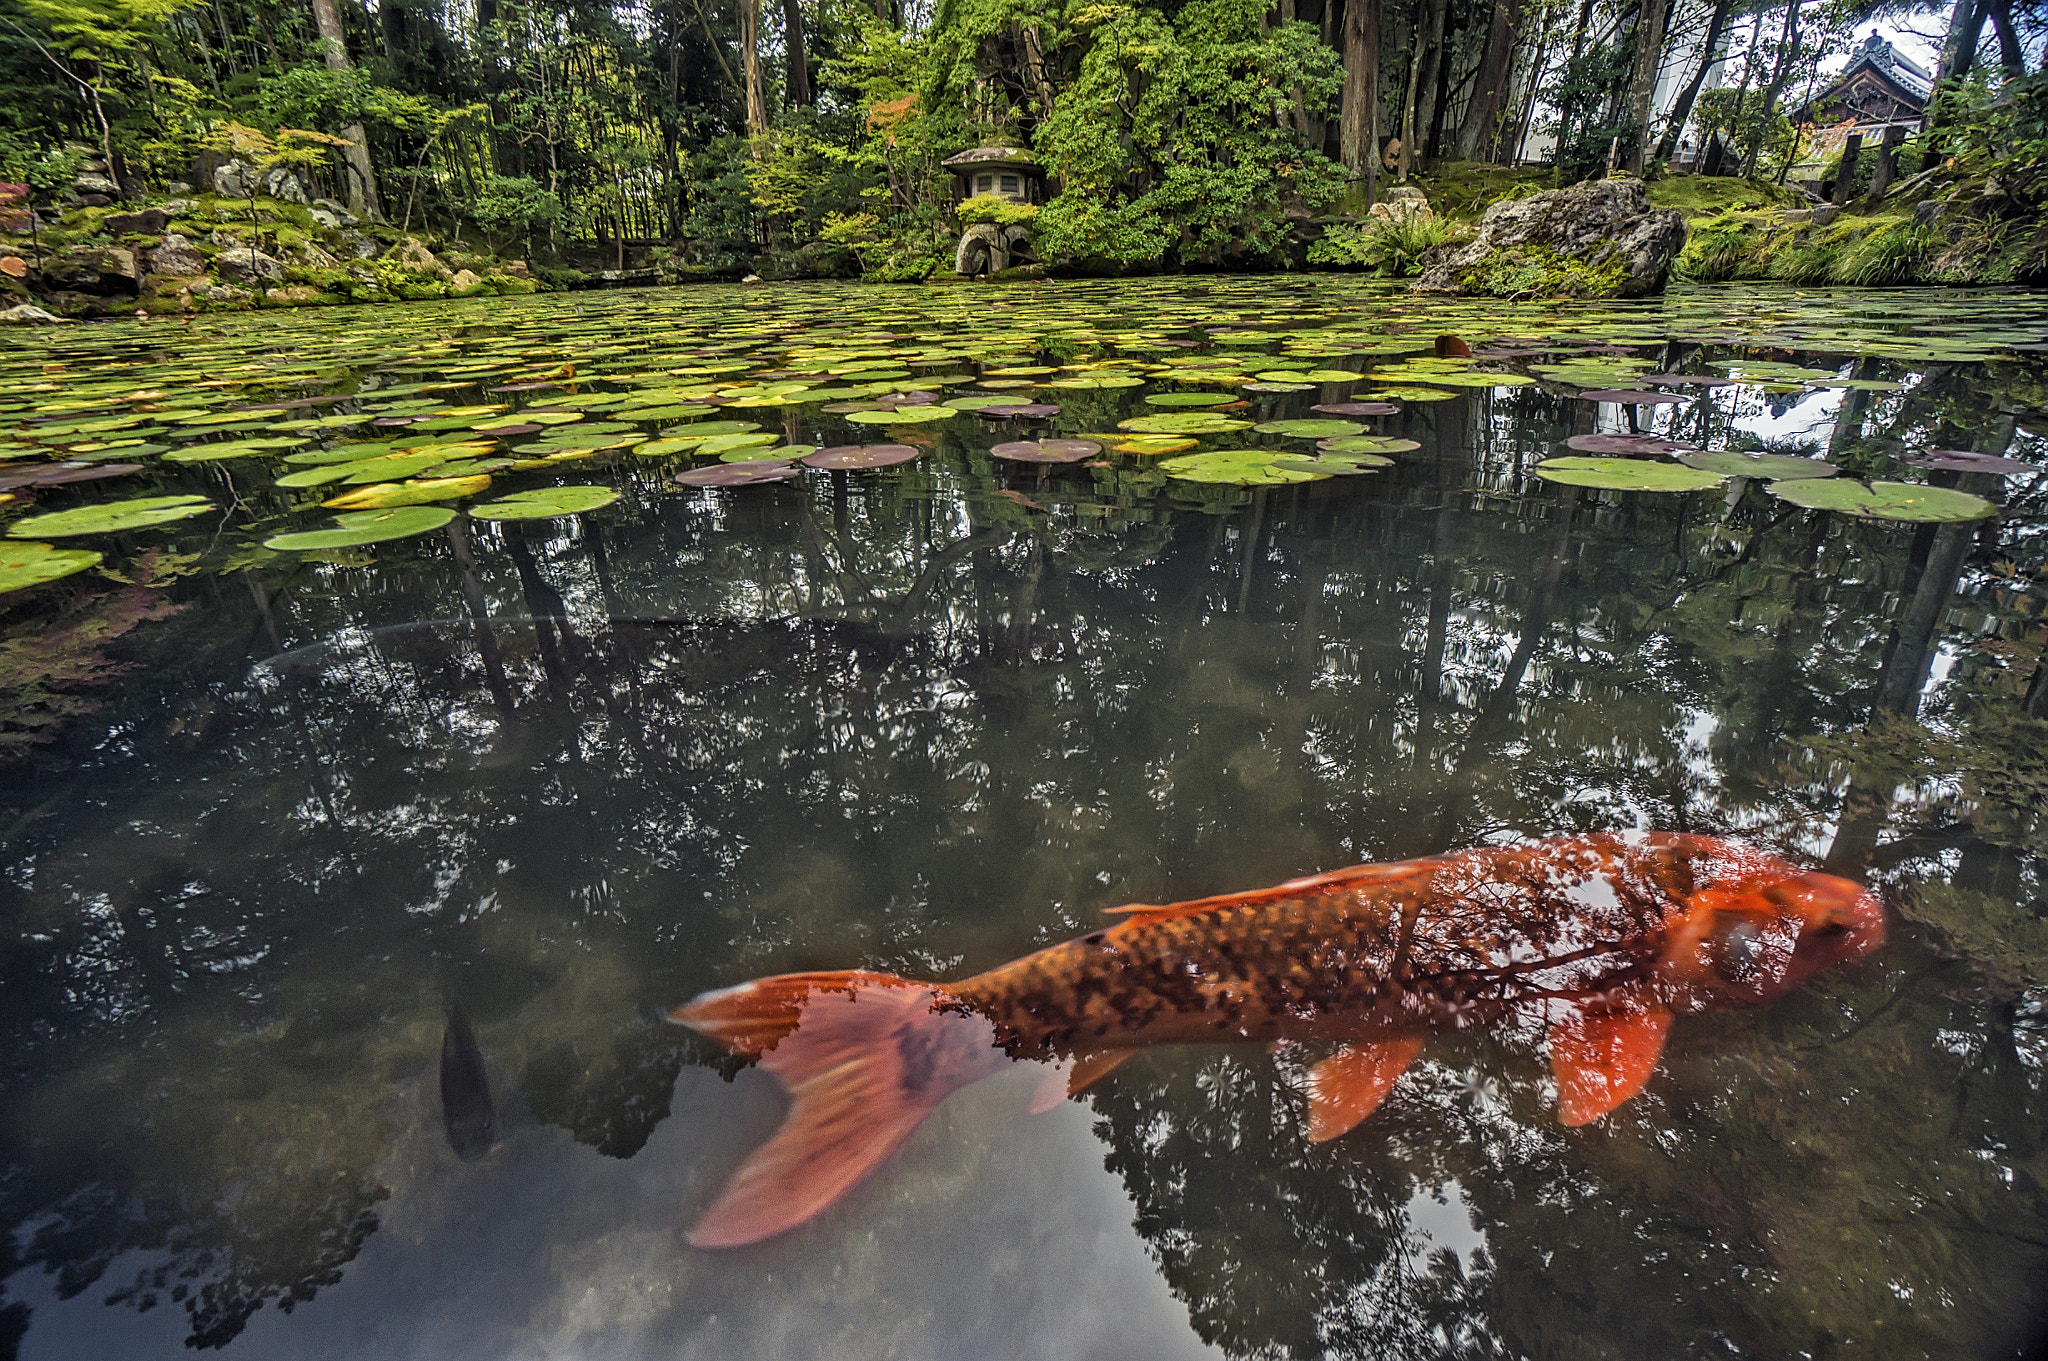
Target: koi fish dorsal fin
{"type": "Point", "coordinates": [1350, 1084]}
{"type": "Point", "coordinates": [865, 1057]}
{"type": "Point", "coordinates": [1362, 876]}
{"type": "Point", "coordinates": [1603, 1059]}
{"type": "Point", "coordinates": [1071, 1077]}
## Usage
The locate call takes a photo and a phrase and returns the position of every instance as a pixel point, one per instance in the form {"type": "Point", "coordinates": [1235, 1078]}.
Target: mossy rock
{"type": "Point", "coordinates": [505, 284]}
{"type": "Point", "coordinates": [1541, 271]}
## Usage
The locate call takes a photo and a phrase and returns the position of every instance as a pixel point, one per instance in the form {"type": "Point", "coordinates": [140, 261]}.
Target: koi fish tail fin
{"type": "Point", "coordinates": [865, 1058]}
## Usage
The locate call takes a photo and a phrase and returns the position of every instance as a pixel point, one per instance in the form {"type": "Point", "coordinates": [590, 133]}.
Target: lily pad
{"type": "Point", "coordinates": [1184, 423]}
{"type": "Point", "coordinates": [1190, 398]}
{"type": "Point", "coordinates": [906, 415]}
{"type": "Point", "coordinates": [1334, 465]}
{"type": "Point", "coordinates": [1774, 467]}
{"type": "Point", "coordinates": [31, 564]}
{"type": "Point", "coordinates": [846, 456]}
{"type": "Point", "coordinates": [111, 517]}
{"type": "Point", "coordinates": [1047, 451]}
{"type": "Point", "coordinates": [1648, 445]}
{"type": "Point", "coordinates": [421, 492]}
{"type": "Point", "coordinates": [1029, 411]}
{"type": "Point", "coordinates": [1628, 397]}
{"type": "Point", "coordinates": [1884, 500]}
{"type": "Point", "coordinates": [1625, 474]}
{"type": "Point", "coordinates": [1309, 429]}
{"type": "Point", "coordinates": [545, 503]}
{"type": "Point", "coordinates": [369, 526]}
{"type": "Point", "coordinates": [1356, 408]}
{"type": "Point", "coordinates": [736, 474]}
{"type": "Point", "coordinates": [1239, 467]}
{"type": "Point", "coordinates": [1366, 444]}
{"type": "Point", "coordinates": [1964, 461]}
{"type": "Point", "coordinates": [65, 473]}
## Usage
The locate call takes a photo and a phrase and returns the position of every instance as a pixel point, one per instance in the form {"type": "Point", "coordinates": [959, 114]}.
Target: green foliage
{"type": "Point", "coordinates": [1737, 115]}
{"type": "Point", "coordinates": [1389, 249]}
{"type": "Point", "coordinates": [995, 209]}
{"type": "Point", "coordinates": [1168, 142]}
{"type": "Point", "coordinates": [514, 207]}
{"type": "Point", "coordinates": [1985, 125]}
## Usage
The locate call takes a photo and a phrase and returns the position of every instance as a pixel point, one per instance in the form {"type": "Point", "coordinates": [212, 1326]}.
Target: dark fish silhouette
{"type": "Point", "coordinates": [466, 1110]}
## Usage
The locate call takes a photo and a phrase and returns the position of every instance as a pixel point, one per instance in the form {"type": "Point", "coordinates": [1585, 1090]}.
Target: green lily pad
{"type": "Point", "coordinates": [1185, 423]}
{"type": "Point", "coordinates": [31, 564]}
{"type": "Point", "coordinates": [1240, 467]}
{"type": "Point", "coordinates": [1625, 474]}
{"type": "Point", "coordinates": [1405, 393]}
{"type": "Point", "coordinates": [1190, 398]}
{"type": "Point", "coordinates": [1367, 444]}
{"type": "Point", "coordinates": [546, 503]}
{"type": "Point", "coordinates": [1310, 429]}
{"type": "Point", "coordinates": [903, 415]}
{"type": "Point", "coordinates": [1885, 500]}
{"type": "Point", "coordinates": [368, 526]}
{"type": "Point", "coordinates": [1775, 467]}
{"type": "Point", "coordinates": [110, 517]}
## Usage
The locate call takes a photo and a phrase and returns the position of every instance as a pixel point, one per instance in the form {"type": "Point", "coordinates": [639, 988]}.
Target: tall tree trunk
{"type": "Point", "coordinates": [1958, 53]}
{"type": "Point", "coordinates": [1788, 44]}
{"type": "Point", "coordinates": [1429, 36]}
{"type": "Point", "coordinates": [750, 63]}
{"type": "Point", "coordinates": [1475, 134]}
{"type": "Point", "coordinates": [1717, 24]}
{"type": "Point", "coordinates": [1528, 116]}
{"type": "Point", "coordinates": [362, 179]}
{"type": "Point", "coordinates": [1642, 87]}
{"type": "Point", "coordinates": [1359, 138]}
{"type": "Point", "coordinates": [2010, 54]}
{"type": "Point", "coordinates": [797, 50]}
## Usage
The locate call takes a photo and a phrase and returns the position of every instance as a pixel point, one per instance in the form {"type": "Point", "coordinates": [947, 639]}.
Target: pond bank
{"type": "Point", "coordinates": [211, 253]}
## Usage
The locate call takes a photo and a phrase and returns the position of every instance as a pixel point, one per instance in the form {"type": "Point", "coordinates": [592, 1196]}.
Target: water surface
{"type": "Point", "coordinates": [268, 817]}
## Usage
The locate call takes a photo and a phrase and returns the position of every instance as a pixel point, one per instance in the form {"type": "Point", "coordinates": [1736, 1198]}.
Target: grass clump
{"type": "Point", "coordinates": [1540, 271]}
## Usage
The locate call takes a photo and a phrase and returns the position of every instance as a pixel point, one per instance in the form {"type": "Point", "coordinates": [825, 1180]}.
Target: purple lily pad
{"type": "Point", "coordinates": [1047, 451]}
{"type": "Point", "coordinates": [507, 431]}
{"type": "Point", "coordinates": [391, 422]}
{"type": "Point", "coordinates": [862, 456]}
{"type": "Point", "coordinates": [1627, 397]}
{"type": "Point", "coordinates": [1692, 380]}
{"type": "Point", "coordinates": [842, 408]}
{"type": "Point", "coordinates": [66, 472]}
{"type": "Point", "coordinates": [1646, 445]}
{"type": "Point", "coordinates": [738, 474]}
{"type": "Point", "coordinates": [1032, 411]}
{"type": "Point", "coordinates": [907, 399]}
{"type": "Point", "coordinates": [1356, 408]}
{"type": "Point", "coordinates": [1967, 461]}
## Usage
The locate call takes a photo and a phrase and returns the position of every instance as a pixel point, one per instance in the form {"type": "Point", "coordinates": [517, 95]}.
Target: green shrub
{"type": "Point", "coordinates": [992, 208]}
{"type": "Point", "coordinates": [1390, 249]}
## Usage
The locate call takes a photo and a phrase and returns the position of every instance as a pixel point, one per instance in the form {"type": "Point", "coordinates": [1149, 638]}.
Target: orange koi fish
{"type": "Point", "coordinates": [1603, 938]}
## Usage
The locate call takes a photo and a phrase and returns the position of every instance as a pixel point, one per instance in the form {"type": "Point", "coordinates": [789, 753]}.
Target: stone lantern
{"type": "Point", "coordinates": [996, 190]}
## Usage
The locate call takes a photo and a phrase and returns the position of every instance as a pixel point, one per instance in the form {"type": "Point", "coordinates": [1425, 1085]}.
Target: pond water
{"type": "Point", "coordinates": [280, 826]}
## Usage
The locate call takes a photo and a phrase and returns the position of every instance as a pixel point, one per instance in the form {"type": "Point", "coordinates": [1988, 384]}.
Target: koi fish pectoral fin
{"type": "Point", "coordinates": [1350, 1084]}
{"type": "Point", "coordinates": [1602, 1059]}
{"type": "Point", "coordinates": [1071, 1077]}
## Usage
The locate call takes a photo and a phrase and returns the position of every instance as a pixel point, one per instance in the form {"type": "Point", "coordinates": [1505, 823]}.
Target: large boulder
{"type": "Point", "coordinates": [412, 253]}
{"type": "Point", "coordinates": [1598, 239]}
{"type": "Point", "coordinates": [176, 257]}
{"type": "Point", "coordinates": [104, 271]}
{"type": "Point", "coordinates": [147, 222]}
{"type": "Point", "coordinates": [245, 265]}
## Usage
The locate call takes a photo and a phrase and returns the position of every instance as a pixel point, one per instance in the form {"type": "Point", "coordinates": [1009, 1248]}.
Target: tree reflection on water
{"type": "Point", "coordinates": [902, 723]}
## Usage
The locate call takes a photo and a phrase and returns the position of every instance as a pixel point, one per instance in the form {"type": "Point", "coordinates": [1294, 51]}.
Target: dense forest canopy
{"type": "Point", "coordinates": [1177, 132]}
